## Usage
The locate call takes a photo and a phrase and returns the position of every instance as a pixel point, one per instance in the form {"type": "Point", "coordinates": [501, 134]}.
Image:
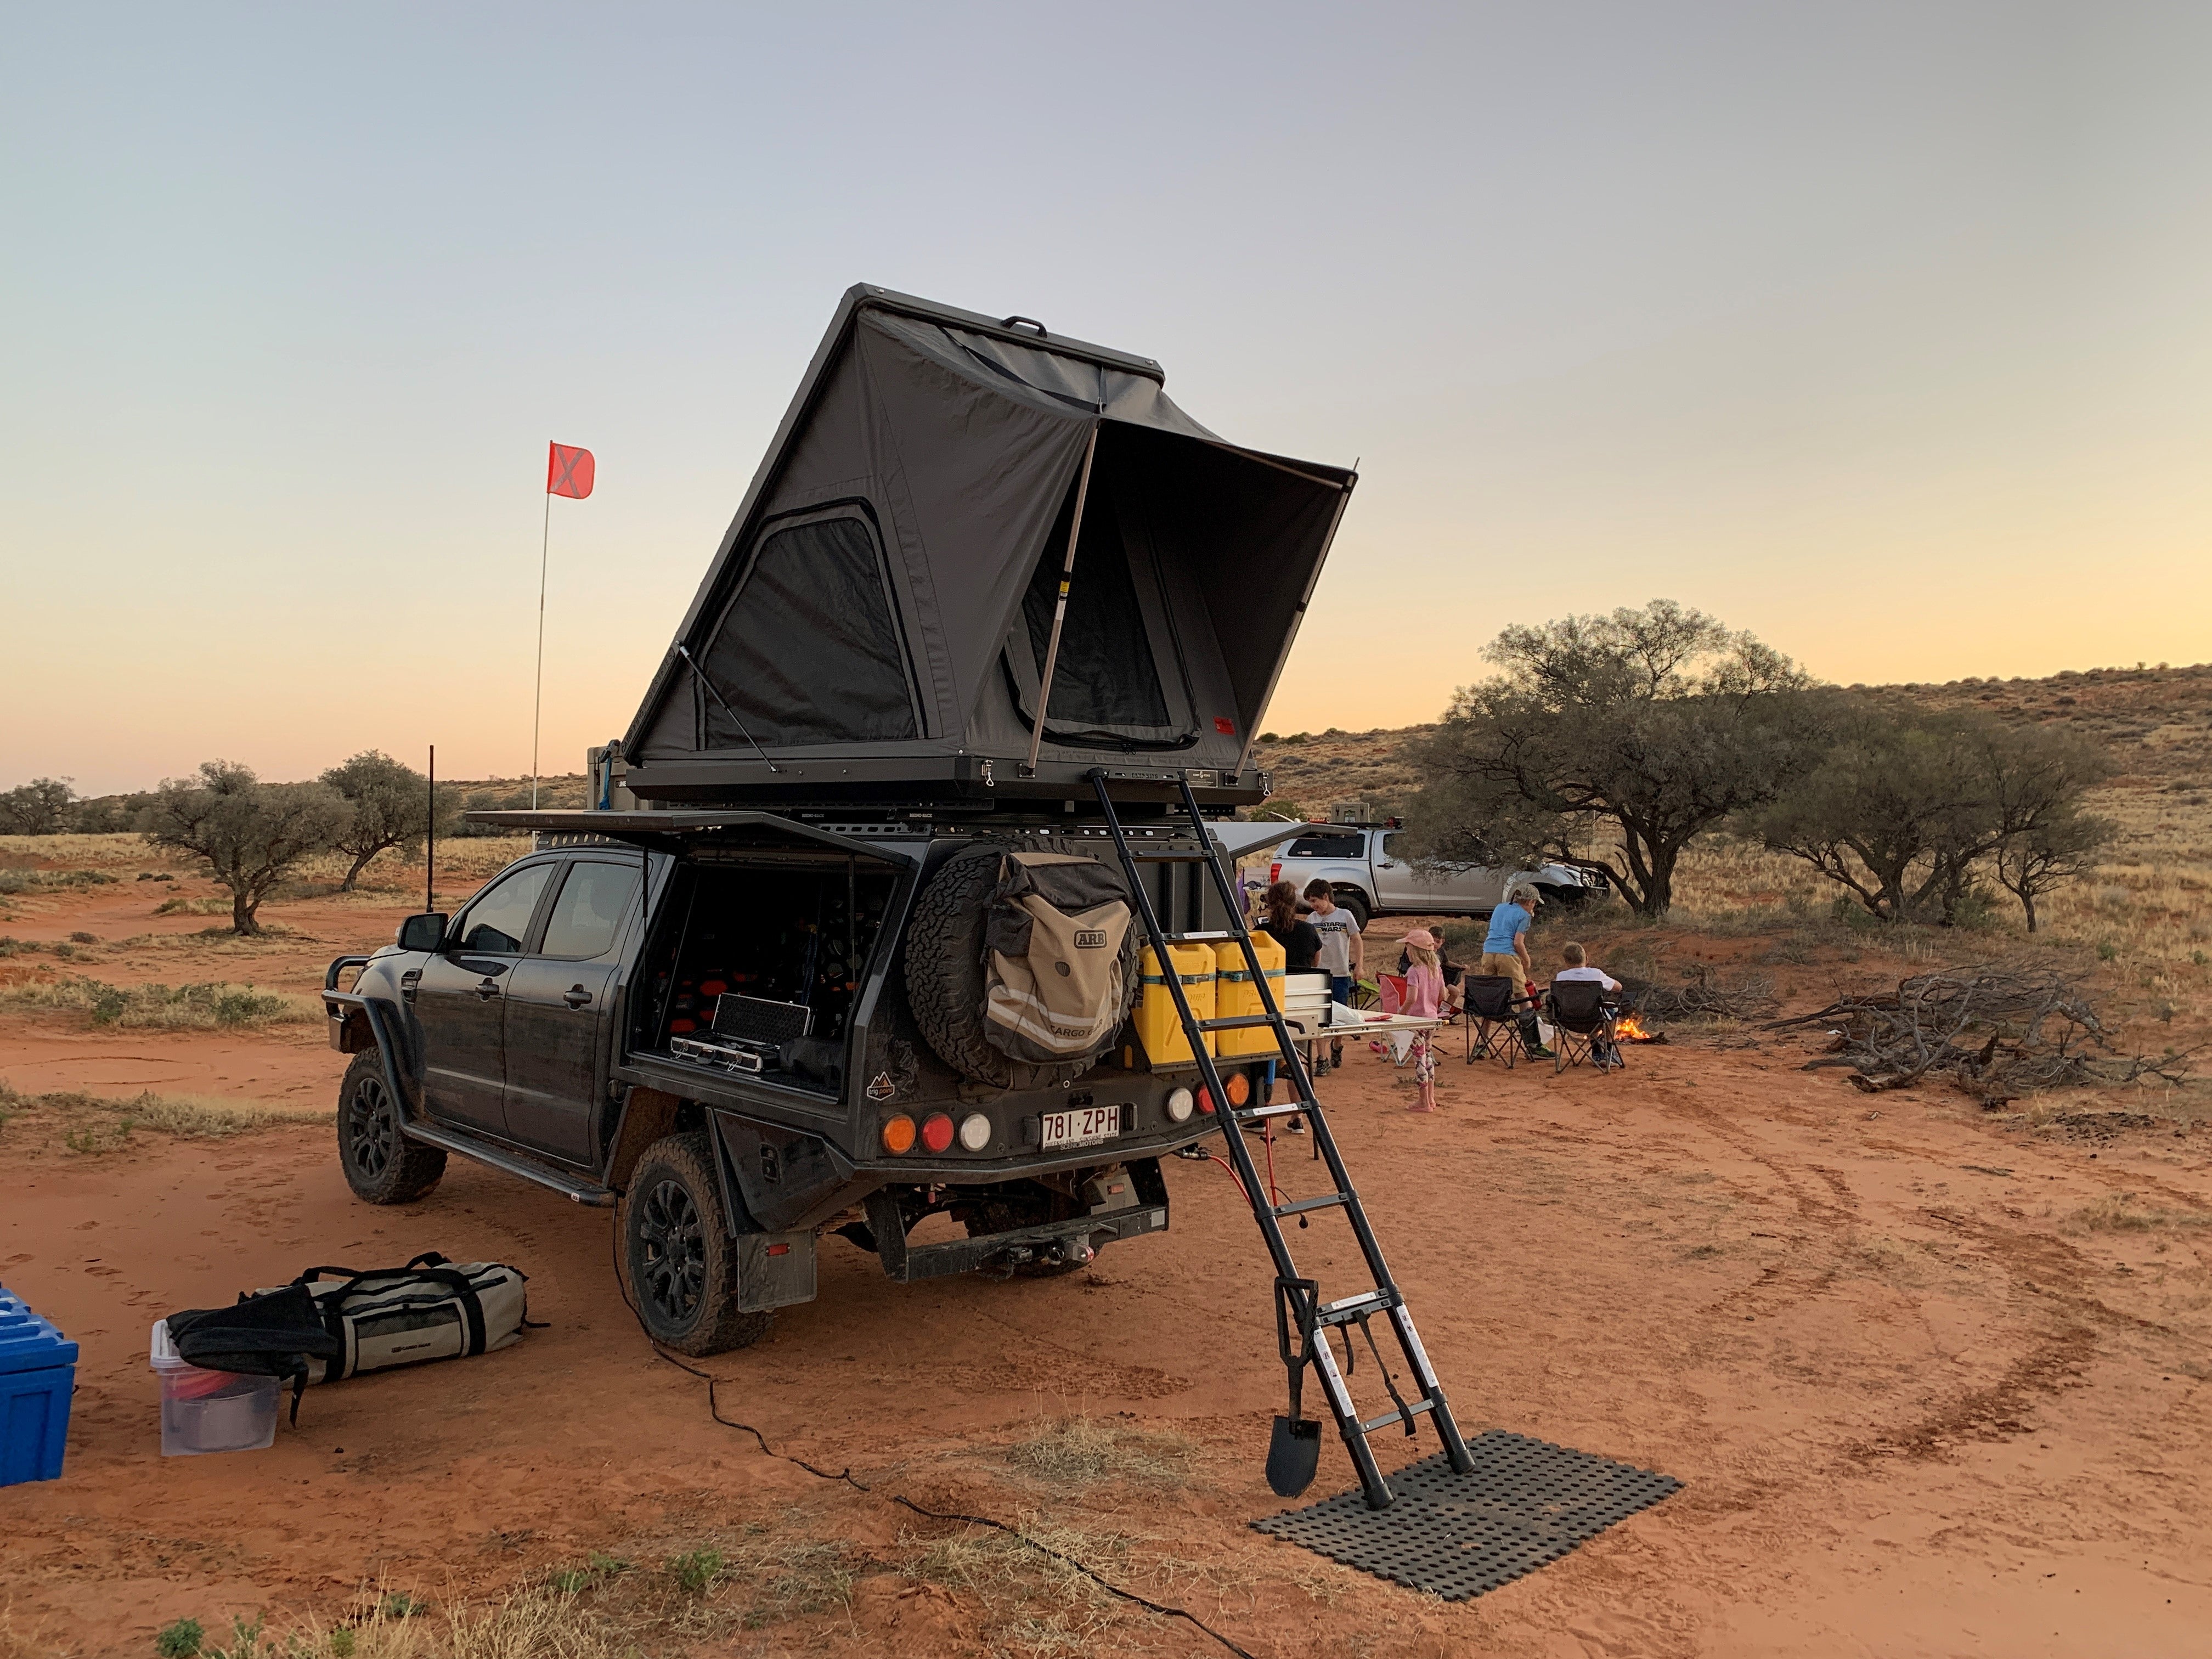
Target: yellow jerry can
{"type": "Point", "coordinates": [1236, 993]}
{"type": "Point", "coordinates": [1158, 1026]}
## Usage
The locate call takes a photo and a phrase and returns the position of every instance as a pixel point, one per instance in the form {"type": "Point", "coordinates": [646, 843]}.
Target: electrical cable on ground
{"type": "Point", "coordinates": [845, 1476]}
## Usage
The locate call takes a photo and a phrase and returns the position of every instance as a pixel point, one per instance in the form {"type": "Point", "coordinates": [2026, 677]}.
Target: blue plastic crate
{"type": "Point", "coordinates": [38, 1374]}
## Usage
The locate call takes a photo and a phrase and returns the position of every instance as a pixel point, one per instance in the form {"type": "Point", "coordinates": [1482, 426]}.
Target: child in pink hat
{"type": "Point", "coordinates": [1424, 994]}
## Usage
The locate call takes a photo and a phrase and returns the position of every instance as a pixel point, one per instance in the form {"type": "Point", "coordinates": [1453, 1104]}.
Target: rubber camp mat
{"type": "Point", "coordinates": [1526, 1503]}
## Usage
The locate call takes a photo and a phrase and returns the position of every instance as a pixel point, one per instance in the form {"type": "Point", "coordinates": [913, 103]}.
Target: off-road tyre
{"type": "Point", "coordinates": [1566, 901]}
{"type": "Point", "coordinates": [944, 976]}
{"type": "Point", "coordinates": [1352, 899]}
{"type": "Point", "coordinates": [999, 1215]}
{"type": "Point", "coordinates": [679, 1260]}
{"type": "Point", "coordinates": [381, 1164]}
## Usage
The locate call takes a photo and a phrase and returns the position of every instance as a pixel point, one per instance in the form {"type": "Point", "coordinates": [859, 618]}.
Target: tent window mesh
{"type": "Point", "coordinates": [1106, 675]}
{"type": "Point", "coordinates": [808, 653]}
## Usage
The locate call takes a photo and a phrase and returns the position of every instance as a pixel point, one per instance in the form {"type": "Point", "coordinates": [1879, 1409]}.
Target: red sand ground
{"type": "Point", "coordinates": [1919, 1407]}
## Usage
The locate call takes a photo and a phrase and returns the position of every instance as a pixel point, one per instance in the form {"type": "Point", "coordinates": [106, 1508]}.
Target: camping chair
{"type": "Point", "coordinates": [1581, 1026]}
{"type": "Point", "coordinates": [1494, 1009]}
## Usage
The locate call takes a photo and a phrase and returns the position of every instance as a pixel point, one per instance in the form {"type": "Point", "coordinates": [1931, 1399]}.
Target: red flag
{"type": "Point", "coordinates": [568, 471]}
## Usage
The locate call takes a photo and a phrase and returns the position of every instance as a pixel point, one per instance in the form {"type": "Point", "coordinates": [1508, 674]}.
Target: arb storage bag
{"type": "Point", "coordinates": [1055, 983]}
{"type": "Point", "coordinates": [431, 1309]}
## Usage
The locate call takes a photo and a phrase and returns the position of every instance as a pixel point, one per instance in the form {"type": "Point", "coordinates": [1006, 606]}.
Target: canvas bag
{"type": "Point", "coordinates": [1055, 983]}
{"type": "Point", "coordinates": [431, 1309]}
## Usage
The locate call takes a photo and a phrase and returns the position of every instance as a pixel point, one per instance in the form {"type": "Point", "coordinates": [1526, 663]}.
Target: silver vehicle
{"type": "Point", "coordinates": [1366, 868]}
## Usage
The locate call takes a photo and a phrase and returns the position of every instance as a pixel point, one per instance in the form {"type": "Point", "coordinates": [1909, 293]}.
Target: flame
{"type": "Point", "coordinates": [1630, 1027]}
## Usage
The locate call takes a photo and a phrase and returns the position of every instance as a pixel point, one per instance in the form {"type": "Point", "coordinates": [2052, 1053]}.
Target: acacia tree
{"type": "Point", "coordinates": [40, 807]}
{"type": "Point", "coordinates": [250, 835]}
{"type": "Point", "coordinates": [1650, 727]}
{"type": "Point", "coordinates": [391, 809]}
{"type": "Point", "coordinates": [1908, 806]}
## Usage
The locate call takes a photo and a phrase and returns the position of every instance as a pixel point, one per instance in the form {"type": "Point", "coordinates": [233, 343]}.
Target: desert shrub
{"type": "Point", "coordinates": [249, 834]}
{"type": "Point", "coordinates": [1652, 726]}
{"type": "Point", "coordinates": [204, 1007]}
{"type": "Point", "coordinates": [40, 807]}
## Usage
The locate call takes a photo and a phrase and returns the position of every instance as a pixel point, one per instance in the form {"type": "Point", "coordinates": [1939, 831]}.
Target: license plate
{"type": "Point", "coordinates": [1085, 1126]}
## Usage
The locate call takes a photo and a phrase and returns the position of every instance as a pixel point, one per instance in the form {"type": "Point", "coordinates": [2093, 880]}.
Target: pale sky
{"type": "Point", "coordinates": [1882, 331]}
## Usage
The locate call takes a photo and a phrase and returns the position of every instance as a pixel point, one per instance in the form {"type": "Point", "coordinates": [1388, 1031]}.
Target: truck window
{"type": "Point", "coordinates": [1352, 844]}
{"type": "Point", "coordinates": [500, 921]}
{"type": "Point", "coordinates": [592, 903]}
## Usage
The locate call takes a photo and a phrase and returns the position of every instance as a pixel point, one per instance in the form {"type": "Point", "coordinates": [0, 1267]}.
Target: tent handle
{"type": "Point", "coordinates": [1060, 608]}
{"type": "Point", "coordinates": [1014, 322]}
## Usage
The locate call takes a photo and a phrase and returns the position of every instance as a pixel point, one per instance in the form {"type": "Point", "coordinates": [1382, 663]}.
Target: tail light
{"type": "Point", "coordinates": [937, 1132]}
{"type": "Point", "coordinates": [898, 1134]}
{"type": "Point", "coordinates": [975, 1132]}
{"type": "Point", "coordinates": [1238, 1088]}
{"type": "Point", "coordinates": [1274, 872]}
{"type": "Point", "coordinates": [1206, 1101]}
{"type": "Point", "coordinates": [1180, 1105]}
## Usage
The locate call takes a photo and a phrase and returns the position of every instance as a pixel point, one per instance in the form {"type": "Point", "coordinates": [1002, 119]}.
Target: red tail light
{"type": "Point", "coordinates": [1206, 1100]}
{"type": "Point", "coordinates": [1274, 872]}
{"type": "Point", "coordinates": [937, 1132]}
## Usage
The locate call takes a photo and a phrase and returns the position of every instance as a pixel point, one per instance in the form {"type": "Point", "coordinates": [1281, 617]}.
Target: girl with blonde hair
{"type": "Point", "coordinates": [1424, 994]}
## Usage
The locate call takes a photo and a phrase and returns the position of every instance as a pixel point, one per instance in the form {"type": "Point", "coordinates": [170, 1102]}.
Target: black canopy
{"type": "Point", "coordinates": [876, 621]}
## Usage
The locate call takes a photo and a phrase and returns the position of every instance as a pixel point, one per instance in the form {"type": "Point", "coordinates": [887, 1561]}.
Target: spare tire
{"type": "Point", "coordinates": [945, 974]}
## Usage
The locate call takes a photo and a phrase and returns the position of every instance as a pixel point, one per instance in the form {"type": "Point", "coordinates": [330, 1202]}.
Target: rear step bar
{"type": "Point", "coordinates": [574, 1188]}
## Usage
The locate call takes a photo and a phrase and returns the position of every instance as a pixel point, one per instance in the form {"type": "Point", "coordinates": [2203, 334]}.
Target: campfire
{"type": "Point", "coordinates": [1629, 1027]}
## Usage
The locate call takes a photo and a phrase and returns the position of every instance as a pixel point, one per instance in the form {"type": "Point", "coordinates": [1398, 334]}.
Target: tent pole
{"type": "Point", "coordinates": [1060, 608]}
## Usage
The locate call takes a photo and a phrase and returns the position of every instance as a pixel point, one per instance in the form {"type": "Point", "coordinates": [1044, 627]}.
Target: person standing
{"type": "Point", "coordinates": [1424, 994]}
{"type": "Point", "coordinates": [1301, 944]}
{"type": "Point", "coordinates": [1341, 949]}
{"type": "Point", "coordinates": [1506, 954]}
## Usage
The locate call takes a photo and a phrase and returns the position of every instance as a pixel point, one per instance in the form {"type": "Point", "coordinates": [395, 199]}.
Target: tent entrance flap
{"type": "Point", "coordinates": [1118, 676]}
{"type": "Point", "coordinates": [808, 649]}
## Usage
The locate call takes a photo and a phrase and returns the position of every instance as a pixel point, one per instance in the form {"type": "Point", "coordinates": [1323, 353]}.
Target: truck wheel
{"type": "Point", "coordinates": [678, 1253]}
{"type": "Point", "coordinates": [381, 1164]}
{"type": "Point", "coordinates": [1566, 901]}
{"type": "Point", "coordinates": [944, 976]}
{"type": "Point", "coordinates": [1352, 899]}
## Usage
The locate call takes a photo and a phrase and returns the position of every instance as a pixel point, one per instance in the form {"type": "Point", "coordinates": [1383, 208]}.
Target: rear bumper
{"type": "Point", "coordinates": [1058, 1241]}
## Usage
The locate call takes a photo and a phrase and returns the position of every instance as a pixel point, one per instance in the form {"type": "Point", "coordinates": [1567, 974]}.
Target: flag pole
{"type": "Point", "coordinates": [430, 840]}
{"type": "Point", "coordinates": [537, 694]}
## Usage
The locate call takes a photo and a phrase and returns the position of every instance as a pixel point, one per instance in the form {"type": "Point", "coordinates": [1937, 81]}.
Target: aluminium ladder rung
{"type": "Point", "coordinates": [1355, 1307]}
{"type": "Point", "coordinates": [1281, 1109]}
{"type": "Point", "coordinates": [1299, 1206]}
{"type": "Point", "coordinates": [1171, 855]}
{"type": "Point", "coordinates": [1235, 1022]}
{"type": "Point", "coordinates": [1370, 1425]}
{"type": "Point", "coordinates": [1202, 939]}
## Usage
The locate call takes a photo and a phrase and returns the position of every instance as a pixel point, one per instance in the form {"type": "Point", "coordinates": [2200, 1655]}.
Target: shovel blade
{"type": "Point", "coordinates": [1293, 1455]}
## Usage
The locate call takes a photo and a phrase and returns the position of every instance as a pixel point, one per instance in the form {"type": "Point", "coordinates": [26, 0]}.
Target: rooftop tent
{"type": "Point", "coordinates": [876, 622]}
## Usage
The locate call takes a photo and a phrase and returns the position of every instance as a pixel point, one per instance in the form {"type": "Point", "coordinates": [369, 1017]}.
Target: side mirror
{"type": "Point", "coordinates": [424, 933]}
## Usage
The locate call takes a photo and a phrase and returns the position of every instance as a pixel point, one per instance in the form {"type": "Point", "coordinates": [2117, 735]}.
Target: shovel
{"type": "Point", "coordinates": [1293, 1455]}
{"type": "Point", "coordinates": [1294, 1448]}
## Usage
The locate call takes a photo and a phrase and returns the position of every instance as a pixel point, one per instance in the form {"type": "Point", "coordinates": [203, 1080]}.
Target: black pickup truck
{"type": "Point", "coordinates": [543, 1030]}
{"type": "Point", "coordinates": [987, 580]}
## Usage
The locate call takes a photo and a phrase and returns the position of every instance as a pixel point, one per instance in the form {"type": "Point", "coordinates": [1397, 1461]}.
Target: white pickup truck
{"type": "Point", "coordinates": [1369, 879]}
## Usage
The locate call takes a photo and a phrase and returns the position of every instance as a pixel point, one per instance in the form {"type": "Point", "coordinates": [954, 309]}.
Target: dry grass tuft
{"type": "Point", "coordinates": [205, 1007]}
{"type": "Point", "coordinates": [2116, 1212]}
{"type": "Point", "coordinates": [1078, 1451]}
{"type": "Point", "coordinates": [86, 1124]}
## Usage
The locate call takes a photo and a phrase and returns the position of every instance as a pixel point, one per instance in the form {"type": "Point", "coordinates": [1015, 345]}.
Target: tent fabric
{"type": "Point", "coordinates": [885, 588]}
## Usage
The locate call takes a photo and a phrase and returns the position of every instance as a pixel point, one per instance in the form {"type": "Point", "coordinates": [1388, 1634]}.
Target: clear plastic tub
{"type": "Point", "coordinates": [205, 1411]}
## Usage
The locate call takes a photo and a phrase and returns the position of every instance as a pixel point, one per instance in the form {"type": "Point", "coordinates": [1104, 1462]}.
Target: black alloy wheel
{"type": "Point", "coordinates": [371, 1128]}
{"type": "Point", "coordinates": [672, 1263]}
{"type": "Point", "coordinates": [381, 1164]}
{"type": "Point", "coordinates": [678, 1252]}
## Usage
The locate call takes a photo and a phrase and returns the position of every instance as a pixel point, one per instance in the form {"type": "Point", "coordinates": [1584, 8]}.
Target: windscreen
{"type": "Point", "coordinates": [807, 652]}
